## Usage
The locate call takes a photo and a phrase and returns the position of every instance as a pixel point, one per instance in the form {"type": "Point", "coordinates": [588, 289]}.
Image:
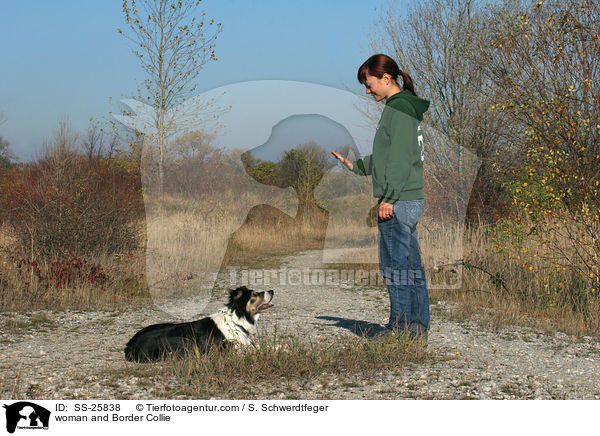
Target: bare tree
{"type": "Point", "coordinates": [193, 145]}
{"type": "Point", "coordinates": [173, 42]}
{"type": "Point", "coordinates": [439, 43]}
{"type": "Point", "coordinates": [93, 142]}
{"type": "Point", "coordinates": [6, 156]}
{"type": "Point", "coordinates": [65, 140]}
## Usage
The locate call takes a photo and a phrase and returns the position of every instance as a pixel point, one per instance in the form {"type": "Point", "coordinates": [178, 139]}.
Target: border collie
{"type": "Point", "coordinates": [231, 325]}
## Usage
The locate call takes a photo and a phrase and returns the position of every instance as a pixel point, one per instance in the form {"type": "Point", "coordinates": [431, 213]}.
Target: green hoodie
{"type": "Point", "coordinates": [397, 160]}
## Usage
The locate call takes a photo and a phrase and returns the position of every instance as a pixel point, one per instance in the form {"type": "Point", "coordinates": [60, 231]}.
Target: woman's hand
{"type": "Point", "coordinates": [342, 159]}
{"type": "Point", "coordinates": [386, 210]}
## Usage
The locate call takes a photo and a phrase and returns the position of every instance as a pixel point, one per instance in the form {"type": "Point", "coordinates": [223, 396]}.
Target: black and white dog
{"type": "Point", "coordinates": [231, 325]}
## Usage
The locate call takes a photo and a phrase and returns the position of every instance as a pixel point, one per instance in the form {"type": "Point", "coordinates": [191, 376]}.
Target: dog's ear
{"type": "Point", "coordinates": [235, 294]}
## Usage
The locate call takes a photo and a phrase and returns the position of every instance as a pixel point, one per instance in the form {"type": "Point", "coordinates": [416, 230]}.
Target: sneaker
{"type": "Point", "coordinates": [377, 332]}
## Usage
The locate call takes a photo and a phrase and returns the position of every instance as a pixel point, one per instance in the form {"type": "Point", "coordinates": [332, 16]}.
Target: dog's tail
{"type": "Point", "coordinates": [135, 353]}
{"type": "Point", "coordinates": [132, 353]}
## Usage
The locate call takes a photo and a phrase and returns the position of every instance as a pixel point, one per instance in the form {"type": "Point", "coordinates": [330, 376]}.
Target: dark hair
{"type": "Point", "coordinates": [379, 64]}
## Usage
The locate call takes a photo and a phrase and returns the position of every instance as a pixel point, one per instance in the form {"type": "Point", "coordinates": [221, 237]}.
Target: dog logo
{"type": "Point", "coordinates": [292, 131]}
{"type": "Point", "coordinates": [26, 415]}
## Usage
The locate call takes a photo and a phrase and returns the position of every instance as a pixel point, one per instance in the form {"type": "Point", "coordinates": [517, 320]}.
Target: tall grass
{"type": "Point", "coordinates": [518, 278]}
{"type": "Point", "coordinates": [101, 280]}
{"type": "Point", "coordinates": [224, 374]}
{"type": "Point", "coordinates": [188, 243]}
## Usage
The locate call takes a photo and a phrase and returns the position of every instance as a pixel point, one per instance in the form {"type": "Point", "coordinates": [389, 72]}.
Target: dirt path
{"type": "Point", "coordinates": [54, 355]}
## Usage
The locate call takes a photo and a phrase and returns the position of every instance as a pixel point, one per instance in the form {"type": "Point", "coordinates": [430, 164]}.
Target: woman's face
{"type": "Point", "coordinates": [378, 88]}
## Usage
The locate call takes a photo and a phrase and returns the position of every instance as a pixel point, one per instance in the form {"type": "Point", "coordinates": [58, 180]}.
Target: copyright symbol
{"type": "Point", "coordinates": [139, 407]}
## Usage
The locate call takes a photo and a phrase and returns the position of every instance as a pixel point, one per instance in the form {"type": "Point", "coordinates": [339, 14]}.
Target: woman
{"type": "Point", "coordinates": [396, 167]}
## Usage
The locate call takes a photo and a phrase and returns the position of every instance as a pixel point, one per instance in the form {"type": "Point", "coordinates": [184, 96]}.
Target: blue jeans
{"type": "Point", "coordinates": [401, 266]}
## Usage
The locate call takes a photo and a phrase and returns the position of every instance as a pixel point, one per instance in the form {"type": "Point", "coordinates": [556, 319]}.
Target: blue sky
{"type": "Point", "coordinates": [65, 58]}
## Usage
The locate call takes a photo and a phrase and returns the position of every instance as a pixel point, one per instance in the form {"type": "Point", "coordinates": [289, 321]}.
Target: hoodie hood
{"type": "Point", "coordinates": [408, 103]}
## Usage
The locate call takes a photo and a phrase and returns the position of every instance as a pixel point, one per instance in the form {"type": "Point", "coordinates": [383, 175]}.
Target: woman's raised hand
{"type": "Point", "coordinates": [342, 159]}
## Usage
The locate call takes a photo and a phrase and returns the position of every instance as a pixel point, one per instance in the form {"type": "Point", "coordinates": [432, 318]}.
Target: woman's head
{"type": "Point", "coordinates": [378, 71]}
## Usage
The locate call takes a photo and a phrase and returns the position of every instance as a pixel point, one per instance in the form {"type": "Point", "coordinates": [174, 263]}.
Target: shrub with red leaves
{"type": "Point", "coordinates": [63, 272]}
{"type": "Point", "coordinates": [67, 205]}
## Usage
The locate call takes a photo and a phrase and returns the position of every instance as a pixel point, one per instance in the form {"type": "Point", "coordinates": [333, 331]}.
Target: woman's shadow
{"type": "Point", "coordinates": [364, 329]}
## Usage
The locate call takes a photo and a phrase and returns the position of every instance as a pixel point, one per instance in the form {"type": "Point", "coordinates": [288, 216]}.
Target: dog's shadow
{"type": "Point", "coordinates": [360, 328]}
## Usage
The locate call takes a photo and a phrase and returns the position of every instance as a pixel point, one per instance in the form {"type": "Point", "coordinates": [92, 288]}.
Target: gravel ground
{"type": "Point", "coordinates": [75, 354]}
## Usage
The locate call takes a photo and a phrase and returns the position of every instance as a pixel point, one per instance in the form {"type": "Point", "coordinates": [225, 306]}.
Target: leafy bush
{"type": "Point", "coordinates": [66, 205]}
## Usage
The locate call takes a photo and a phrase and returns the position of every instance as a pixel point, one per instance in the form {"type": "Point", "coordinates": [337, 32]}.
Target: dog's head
{"type": "Point", "coordinates": [248, 303]}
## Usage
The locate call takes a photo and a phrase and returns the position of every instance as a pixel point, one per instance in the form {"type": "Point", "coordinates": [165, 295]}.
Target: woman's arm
{"type": "Point", "coordinates": [361, 167]}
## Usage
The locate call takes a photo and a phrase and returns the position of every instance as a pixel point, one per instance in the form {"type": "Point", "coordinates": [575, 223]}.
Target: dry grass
{"type": "Point", "coordinates": [191, 241]}
{"type": "Point", "coordinates": [23, 290]}
{"type": "Point", "coordinates": [526, 298]}
{"type": "Point", "coordinates": [275, 362]}
{"type": "Point", "coordinates": [11, 388]}
{"type": "Point", "coordinates": [442, 245]}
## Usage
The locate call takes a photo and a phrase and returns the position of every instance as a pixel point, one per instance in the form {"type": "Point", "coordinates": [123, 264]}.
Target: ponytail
{"type": "Point", "coordinates": [408, 83]}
